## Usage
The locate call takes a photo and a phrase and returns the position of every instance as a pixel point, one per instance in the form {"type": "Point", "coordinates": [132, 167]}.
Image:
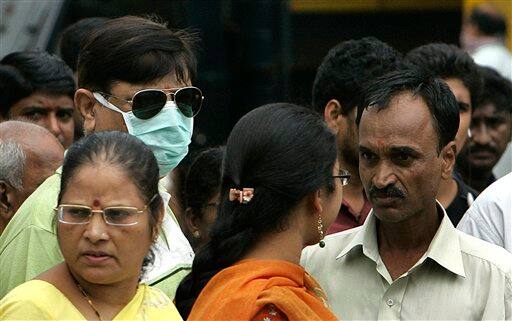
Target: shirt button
{"type": "Point", "coordinates": [390, 302]}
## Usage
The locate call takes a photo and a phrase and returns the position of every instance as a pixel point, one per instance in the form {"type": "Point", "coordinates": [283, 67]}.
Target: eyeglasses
{"type": "Point", "coordinates": [344, 177]}
{"type": "Point", "coordinates": [113, 215]}
{"type": "Point", "coordinates": [147, 103]}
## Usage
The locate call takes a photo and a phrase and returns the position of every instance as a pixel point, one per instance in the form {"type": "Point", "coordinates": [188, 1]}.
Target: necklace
{"type": "Point", "coordinates": [86, 297]}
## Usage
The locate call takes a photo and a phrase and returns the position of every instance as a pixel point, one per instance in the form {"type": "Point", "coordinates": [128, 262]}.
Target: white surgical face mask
{"type": "Point", "coordinates": [168, 133]}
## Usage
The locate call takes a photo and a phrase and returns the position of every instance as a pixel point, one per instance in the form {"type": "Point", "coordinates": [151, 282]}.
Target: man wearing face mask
{"type": "Point", "coordinates": [134, 75]}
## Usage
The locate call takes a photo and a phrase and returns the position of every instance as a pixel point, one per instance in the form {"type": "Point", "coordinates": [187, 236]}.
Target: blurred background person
{"type": "Point", "coordinates": [490, 216]}
{"type": "Point", "coordinates": [39, 87]}
{"type": "Point", "coordinates": [491, 131]}
{"type": "Point", "coordinates": [485, 28]}
{"type": "Point", "coordinates": [135, 75]}
{"type": "Point", "coordinates": [29, 154]}
{"type": "Point", "coordinates": [483, 35]}
{"type": "Point", "coordinates": [105, 229]}
{"type": "Point", "coordinates": [69, 48]}
{"type": "Point", "coordinates": [338, 84]}
{"type": "Point", "coordinates": [202, 193]}
{"type": "Point", "coordinates": [460, 73]}
{"type": "Point", "coordinates": [281, 189]}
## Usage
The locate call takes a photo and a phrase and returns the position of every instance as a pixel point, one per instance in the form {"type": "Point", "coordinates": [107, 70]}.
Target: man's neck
{"type": "Point", "coordinates": [447, 191]}
{"type": "Point", "coordinates": [402, 244]}
{"type": "Point", "coordinates": [415, 232]}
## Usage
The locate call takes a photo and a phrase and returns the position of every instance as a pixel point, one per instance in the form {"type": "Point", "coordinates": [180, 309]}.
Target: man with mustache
{"type": "Point", "coordinates": [408, 261]}
{"type": "Point", "coordinates": [491, 124]}
{"type": "Point", "coordinates": [339, 80]}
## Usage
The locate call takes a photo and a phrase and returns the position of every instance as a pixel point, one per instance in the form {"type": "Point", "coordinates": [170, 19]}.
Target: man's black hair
{"type": "Point", "coordinates": [135, 50]}
{"type": "Point", "coordinates": [447, 61]}
{"type": "Point", "coordinates": [348, 67]}
{"type": "Point", "coordinates": [497, 90]}
{"type": "Point", "coordinates": [435, 93]}
{"type": "Point", "coordinates": [72, 37]}
{"type": "Point", "coordinates": [26, 72]}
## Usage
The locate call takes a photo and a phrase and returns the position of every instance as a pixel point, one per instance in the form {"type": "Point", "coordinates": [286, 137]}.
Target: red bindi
{"type": "Point", "coordinates": [96, 203]}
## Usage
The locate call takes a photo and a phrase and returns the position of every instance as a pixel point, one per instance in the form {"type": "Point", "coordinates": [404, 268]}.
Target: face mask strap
{"type": "Point", "coordinates": [105, 103]}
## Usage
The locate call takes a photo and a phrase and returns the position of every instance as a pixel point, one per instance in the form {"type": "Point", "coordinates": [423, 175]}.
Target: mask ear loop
{"type": "Point", "coordinates": [105, 103]}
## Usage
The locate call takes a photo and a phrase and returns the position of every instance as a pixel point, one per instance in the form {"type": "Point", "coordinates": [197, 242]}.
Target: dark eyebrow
{"type": "Point", "coordinates": [496, 117]}
{"type": "Point", "coordinates": [364, 149]}
{"type": "Point", "coordinates": [66, 107]}
{"type": "Point", "coordinates": [33, 108]}
{"type": "Point", "coordinates": [403, 150]}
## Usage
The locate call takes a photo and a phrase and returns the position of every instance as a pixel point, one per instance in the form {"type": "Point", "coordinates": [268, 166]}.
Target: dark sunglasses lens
{"type": "Point", "coordinates": [189, 101]}
{"type": "Point", "coordinates": [147, 104]}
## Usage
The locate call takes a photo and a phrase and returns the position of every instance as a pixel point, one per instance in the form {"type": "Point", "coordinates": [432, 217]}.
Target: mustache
{"type": "Point", "coordinates": [388, 191]}
{"type": "Point", "coordinates": [475, 148]}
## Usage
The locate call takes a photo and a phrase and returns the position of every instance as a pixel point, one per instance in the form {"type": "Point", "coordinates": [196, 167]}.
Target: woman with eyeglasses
{"type": "Point", "coordinates": [281, 188]}
{"type": "Point", "coordinates": [108, 215]}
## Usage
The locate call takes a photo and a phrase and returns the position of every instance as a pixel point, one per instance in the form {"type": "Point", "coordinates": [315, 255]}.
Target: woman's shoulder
{"type": "Point", "coordinates": [33, 290]}
{"type": "Point", "coordinates": [158, 304]}
{"type": "Point", "coordinates": [30, 300]}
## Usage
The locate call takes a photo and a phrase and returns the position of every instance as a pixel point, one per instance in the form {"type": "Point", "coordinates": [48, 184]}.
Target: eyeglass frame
{"type": "Point", "coordinates": [58, 212]}
{"type": "Point", "coordinates": [169, 92]}
{"type": "Point", "coordinates": [344, 177]}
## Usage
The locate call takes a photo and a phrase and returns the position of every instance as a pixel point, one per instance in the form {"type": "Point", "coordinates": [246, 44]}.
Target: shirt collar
{"type": "Point", "coordinates": [365, 237]}
{"type": "Point", "coordinates": [444, 248]}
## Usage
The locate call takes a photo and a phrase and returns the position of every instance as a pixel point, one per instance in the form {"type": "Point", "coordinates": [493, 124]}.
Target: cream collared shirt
{"type": "Point", "coordinates": [458, 278]}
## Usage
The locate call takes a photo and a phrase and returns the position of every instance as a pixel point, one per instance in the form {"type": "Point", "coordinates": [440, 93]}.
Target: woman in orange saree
{"type": "Point", "coordinates": [281, 189]}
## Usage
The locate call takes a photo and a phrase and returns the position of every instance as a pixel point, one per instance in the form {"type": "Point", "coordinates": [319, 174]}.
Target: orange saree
{"type": "Point", "coordinates": [248, 288]}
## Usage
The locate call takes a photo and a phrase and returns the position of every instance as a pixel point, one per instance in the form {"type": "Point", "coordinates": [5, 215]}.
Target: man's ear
{"type": "Point", "coordinates": [448, 155]}
{"type": "Point", "coordinates": [85, 102]}
{"type": "Point", "coordinates": [6, 208]}
{"type": "Point", "coordinates": [332, 114]}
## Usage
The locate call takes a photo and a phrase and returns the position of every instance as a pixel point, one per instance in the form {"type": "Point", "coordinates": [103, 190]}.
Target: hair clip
{"type": "Point", "coordinates": [244, 196]}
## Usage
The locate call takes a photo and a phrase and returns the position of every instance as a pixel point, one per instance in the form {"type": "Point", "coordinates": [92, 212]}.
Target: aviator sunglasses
{"type": "Point", "coordinates": [147, 103]}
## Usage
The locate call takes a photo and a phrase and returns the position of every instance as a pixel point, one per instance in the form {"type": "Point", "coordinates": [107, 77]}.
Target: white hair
{"type": "Point", "coordinates": [12, 163]}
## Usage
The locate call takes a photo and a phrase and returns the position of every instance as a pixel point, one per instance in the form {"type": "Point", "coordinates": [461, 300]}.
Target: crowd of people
{"type": "Point", "coordinates": [378, 201]}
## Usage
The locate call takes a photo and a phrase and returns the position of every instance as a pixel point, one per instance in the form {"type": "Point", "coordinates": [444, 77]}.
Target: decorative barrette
{"type": "Point", "coordinates": [244, 196]}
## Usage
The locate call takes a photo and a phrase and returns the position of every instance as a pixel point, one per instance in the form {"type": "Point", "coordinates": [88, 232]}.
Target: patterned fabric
{"type": "Point", "coordinates": [270, 313]}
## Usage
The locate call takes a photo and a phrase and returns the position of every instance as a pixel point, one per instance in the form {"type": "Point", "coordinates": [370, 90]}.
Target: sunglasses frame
{"type": "Point", "coordinates": [168, 92]}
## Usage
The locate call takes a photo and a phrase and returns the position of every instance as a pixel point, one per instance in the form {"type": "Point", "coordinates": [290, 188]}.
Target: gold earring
{"type": "Point", "coordinates": [321, 231]}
